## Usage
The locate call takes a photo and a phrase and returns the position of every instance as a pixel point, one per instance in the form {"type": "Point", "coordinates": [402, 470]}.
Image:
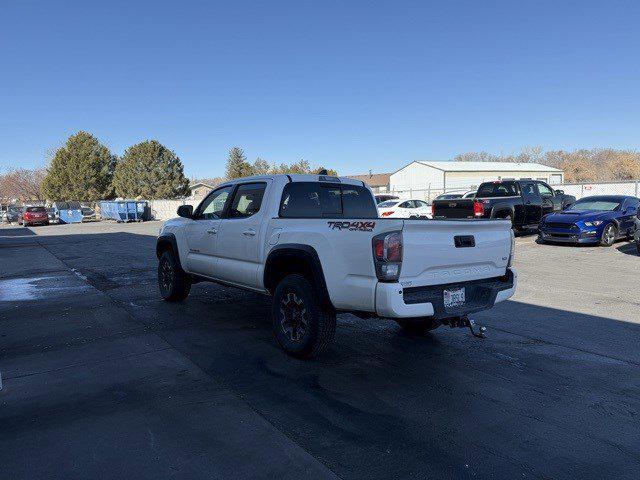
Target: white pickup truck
{"type": "Point", "coordinates": [316, 245]}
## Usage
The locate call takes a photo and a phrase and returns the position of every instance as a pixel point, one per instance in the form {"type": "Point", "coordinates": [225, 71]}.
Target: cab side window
{"type": "Point", "coordinates": [247, 200]}
{"type": "Point", "coordinates": [528, 190]}
{"type": "Point", "coordinates": [213, 206]}
{"type": "Point", "coordinates": [544, 189]}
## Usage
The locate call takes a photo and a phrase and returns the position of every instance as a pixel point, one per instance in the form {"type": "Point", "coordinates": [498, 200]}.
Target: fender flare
{"type": "Point", "coordinates": [302, 252]}
{"type": "Point", "coordinates": [168, 239]}
{"type": "Point", "coordinates": [503, 207]}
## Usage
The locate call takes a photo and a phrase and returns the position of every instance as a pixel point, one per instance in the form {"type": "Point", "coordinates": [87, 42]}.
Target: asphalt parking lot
{"type": "Point", "coordinates": [101, 379]}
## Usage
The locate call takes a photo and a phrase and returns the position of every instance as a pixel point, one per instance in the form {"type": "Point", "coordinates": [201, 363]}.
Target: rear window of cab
{"type": "Point", "coordinates": [498, 189]}
{"type": "Point", "coordinates": [326, 200]}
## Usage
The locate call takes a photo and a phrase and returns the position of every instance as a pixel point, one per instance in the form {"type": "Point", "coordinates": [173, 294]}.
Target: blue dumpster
{"type": "Point", "coordinates": [68, 212]}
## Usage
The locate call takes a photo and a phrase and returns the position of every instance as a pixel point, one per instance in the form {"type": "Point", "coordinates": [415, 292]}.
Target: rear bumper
{"type": "Point", "coordinates": [394, 301]}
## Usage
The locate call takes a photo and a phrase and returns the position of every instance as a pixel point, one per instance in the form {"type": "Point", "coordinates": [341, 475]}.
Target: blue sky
{"type": "Point", "coordinates": [349, 85]}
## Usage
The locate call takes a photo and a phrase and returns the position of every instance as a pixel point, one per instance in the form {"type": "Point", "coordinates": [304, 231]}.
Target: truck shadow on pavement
{"type": "Point", "coordinates": [551, 393]}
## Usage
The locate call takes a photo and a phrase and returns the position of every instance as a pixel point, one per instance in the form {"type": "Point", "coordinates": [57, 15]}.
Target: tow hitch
{"type": "Point", "coordinates": [477, 331]}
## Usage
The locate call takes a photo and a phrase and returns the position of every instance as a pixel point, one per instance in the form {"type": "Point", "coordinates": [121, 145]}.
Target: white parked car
{"type": "Point", "coordinates": [456, 195]}
{"type": "Point", "coordinates": [404, 209]}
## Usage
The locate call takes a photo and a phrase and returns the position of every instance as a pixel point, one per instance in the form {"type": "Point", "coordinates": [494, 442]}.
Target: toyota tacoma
{"type": "Point", "coordinates": [315, 244]}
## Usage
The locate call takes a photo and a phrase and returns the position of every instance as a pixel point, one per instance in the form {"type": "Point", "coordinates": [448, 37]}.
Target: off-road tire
{"type": "Point", "coordinates": [418, 326]}
{"type": "Point", "coordinates": [609, 235]}
{"type": "Point", "coordinates": [310, 331]}
{"type": "Point", "coordinates": [174, 284]}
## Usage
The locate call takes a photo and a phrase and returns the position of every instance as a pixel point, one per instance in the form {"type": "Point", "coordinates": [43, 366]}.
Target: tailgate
{"type": "Point", "coordinates": [455, 208]}
{"type": "Point", "coordinates": [433, 255]}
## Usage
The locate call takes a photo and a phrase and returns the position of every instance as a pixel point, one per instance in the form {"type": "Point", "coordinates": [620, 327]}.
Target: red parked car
{"type": "Point", "coordinates": [33, 216]}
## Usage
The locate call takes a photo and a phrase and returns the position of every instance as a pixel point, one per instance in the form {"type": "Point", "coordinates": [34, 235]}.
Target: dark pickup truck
{"type": "Point", "coordinates": [525, 202]}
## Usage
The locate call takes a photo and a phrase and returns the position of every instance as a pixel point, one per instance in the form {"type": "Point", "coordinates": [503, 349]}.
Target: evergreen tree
{"type": "Point", "coordinates": [82, 169]}
{"type": "Point", "coordinates": [260, 167]}
{"type": "Point", "coordinates": [237, 165]}
{"type": "Point", "coordinates": [150, 170]}
{"type": "Point", "coordinates": [330, 171]}
{"type": "Point", "coordinates": [300, 167]}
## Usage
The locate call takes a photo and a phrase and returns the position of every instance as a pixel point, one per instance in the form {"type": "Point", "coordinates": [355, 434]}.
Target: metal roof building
{"type": "Point", "coordinates": [448, 175]}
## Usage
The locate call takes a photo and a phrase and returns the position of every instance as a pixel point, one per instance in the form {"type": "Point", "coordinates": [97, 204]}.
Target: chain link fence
{"type": "Point", "coordinates": [578, 190]}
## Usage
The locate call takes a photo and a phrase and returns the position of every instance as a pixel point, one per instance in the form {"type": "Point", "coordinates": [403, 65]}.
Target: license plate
{"type": "Point", "coordinates": [454, 298]}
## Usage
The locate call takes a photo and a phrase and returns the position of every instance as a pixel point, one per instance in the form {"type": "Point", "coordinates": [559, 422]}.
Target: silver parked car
{"type": "Point", "coordinates": [88, 214]}
{"type": "Point", "coordinates": [12, 214]}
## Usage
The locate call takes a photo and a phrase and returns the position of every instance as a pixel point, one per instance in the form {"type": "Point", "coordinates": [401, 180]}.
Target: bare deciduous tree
{"type": "Point", "coordinates": [22, 185]}
{"type": "Point", "coordinates": [598, 164]}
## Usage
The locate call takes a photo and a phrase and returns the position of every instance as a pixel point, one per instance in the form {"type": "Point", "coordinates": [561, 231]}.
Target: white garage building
{"type": "Point", "coordinates": [422, 175]}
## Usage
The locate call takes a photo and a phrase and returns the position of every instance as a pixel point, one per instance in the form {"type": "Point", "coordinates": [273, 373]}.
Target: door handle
{"type": "Point", "coordinates": [528, 202]}
{"type": "Point", "coordinates": [249, 233]}
{"type": "Point", "coordinates": [212, 231]}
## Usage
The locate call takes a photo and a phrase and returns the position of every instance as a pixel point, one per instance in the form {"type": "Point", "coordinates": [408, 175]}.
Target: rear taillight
{"type": "Point", "coordinates": [433, 210]}
{"type": "Point", "coordinates": [387, 255]}
{"type": "Point", "coordinates": [386, 214]}
{"type": "Point", "coordinates": [478, 209]}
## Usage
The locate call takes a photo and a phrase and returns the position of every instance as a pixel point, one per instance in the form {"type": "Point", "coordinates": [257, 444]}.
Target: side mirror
{"type": "Point", "coordinates": [559, 192]}
{"type": "Point", "coordinates": [185, 211]}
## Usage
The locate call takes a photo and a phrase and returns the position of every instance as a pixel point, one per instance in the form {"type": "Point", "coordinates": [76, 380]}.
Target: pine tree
{"type": "Point", "coordinates": [82, 169]}
{"type": "Point", "coordinates": [301, 166]}
{"type": "Point", "coordinates": [260, 167]}
{"type": "Point", "coordinates": [237, 165]}
{"type": "Point", "coordinates": [330, 171]}
{"type": "Point", "coordinates": [150, 170]}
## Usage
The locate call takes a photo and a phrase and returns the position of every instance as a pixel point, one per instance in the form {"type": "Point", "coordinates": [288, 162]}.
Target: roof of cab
{"type": "Point", "coordinates": [296, 177]}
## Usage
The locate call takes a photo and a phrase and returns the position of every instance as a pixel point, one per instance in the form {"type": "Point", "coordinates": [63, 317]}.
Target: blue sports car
{"type": "Point", "coordinates": [596, 220]}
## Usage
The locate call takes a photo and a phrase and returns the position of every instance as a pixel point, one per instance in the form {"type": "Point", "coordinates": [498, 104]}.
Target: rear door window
{"type": "Point", "coordinates": [247, 200]}
{"type": "Point", "coordinates": [321, 200]}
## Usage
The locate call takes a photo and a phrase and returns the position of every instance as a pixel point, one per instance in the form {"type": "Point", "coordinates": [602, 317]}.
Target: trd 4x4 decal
{"type": "Point", "coordinates": [352, 226]}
